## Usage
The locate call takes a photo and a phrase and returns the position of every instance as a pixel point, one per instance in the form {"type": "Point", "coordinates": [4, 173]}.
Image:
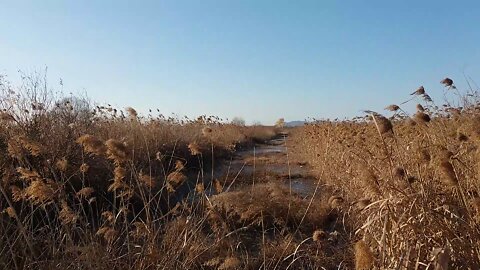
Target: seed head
{"type": "Point", "coordinates": [200, 188]}
{"type": "Point", "coordinates": [319, 235]}
{"type": "Point", "coordinates": [420, 108]}
{"type": "Point", "coordinates": [176, 178]}
{"type": "Point", "coordinates": [449, 175]}
{"type": "Point", "coordinates": [363, 203]}
{"type": "Point", "coordinates": [85, 192]}
{"type": "Point", "coordinates": [447, 82]}
{"type": "Point", "coordinates": [363, 256]}
{"type": "Point", "coordinates": [62, 165]}
{"type": "Point", "coordinates": [422, 117]}
{"type": "Point", "coordinates": [17, 193]}
{"type": "Point", "coordinates": [194, 148]}
{"type": "Point", "coordinates": [117, 151]}
{"type": "Point", "coordinates": [28, 174]}
{"type": "Point", "coordinates": [84, 168]}
{"type": "Point", "coordinates": [384, 125]}
{"type": "Point", "coordinates": [370, 182]}
{"type": "Point", "coordinates": [218, 186]}
{"type": "Point", "coordinates": [419, 91]}
{"type": "Point", "coordinates": [19, 144]}
{"type": "Point", "coordinates": [66, 215]}
{"type": "Point", "coordinates": [91, 144]}
{"type": "Point", "coordinates": [179, 165]}
{"type": "Point", "coordinates": [6, 117]}
{"type": "Point", "coordinates": [132, 113]}
{"type": "Point", "coordinates": [392, 108]}
{"type": "Point", "coordinates": [207, 131]}
{"type": "Point", "coordinates": [40, 193]}
{"type": "Point", "coordinates": [335, 201]}
{"type": "Point", "coordinates": [399, 172]}
{"type": "Point", "coordinates": [146, 180]}
{"type": "Point", "coordinates": [230, 263]}
{"type": "Point", "coordinates": [427, 98]}
{"type": "Point", "coordinates": [10, 212]}
{"type": "Point", "coordinates": [119, 173]}
{"type": "Point", "coordinates": [108, 233]}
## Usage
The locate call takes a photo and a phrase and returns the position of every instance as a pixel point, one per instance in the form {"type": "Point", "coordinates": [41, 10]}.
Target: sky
{"type": "Point", "coordinates": [255, 59]}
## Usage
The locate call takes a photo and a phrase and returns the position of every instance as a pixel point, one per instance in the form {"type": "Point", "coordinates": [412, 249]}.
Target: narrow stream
{"type": "Point", "coordinates": [270, 160]}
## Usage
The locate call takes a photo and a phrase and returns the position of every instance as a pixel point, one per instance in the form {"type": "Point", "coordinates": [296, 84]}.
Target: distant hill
{"type": "Point", "coordinates": [295, 123]}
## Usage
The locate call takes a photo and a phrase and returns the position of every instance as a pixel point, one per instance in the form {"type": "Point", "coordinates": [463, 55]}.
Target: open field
{"type": "Point", "coordinates": [93, 187]}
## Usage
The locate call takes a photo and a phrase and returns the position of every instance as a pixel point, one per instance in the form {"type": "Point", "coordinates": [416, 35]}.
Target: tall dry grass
{"type": "Point", "coordinates": [95, 187]}
{"type": "Point", "coordinates": [411, 180]}
{"type": "Point", "coordinates": [87, 186]}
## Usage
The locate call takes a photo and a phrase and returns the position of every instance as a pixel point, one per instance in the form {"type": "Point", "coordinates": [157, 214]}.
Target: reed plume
{"type": "Point", "coordinates": [91, 144]}
{"type": "Point", "coordinates": [85, 192]}
{"type": "Point", "coordinates": [146, 180]}
{"type": "Point", "coordinates": [40, 193]}
{"type": "Point", "coordinates": [448, 172]}
{"type": "Point", "coordinates": [117, 151]}
{"type": "Point", "coordinates": [132, 113]}
{"type": "Point", "coordinates": [194, 149]}
{"type": "Point", "coordinates": [364, 258]}
{"type": "Point", "coordinates": [422, 117]}
{"type": "Point", "coordinates": [419, 91]}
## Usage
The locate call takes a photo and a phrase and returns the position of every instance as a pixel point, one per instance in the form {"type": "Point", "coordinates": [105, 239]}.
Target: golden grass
{"type": "Point", "coordinates": [411, 182]}
{"type": "Point", "coordinates": [90, 188]}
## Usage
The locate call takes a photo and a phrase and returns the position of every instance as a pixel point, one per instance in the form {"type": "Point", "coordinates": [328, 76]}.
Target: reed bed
{"type": "Point", "coordinates": [410, 181]}
{"type": "Point", "coordinates": [94, 187]}
{"type": "Point", "coordinates": [88, 186]}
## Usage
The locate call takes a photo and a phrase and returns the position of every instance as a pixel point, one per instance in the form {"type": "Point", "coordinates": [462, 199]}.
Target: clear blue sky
{"type": "Point", "coordinates": [260, 60]}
